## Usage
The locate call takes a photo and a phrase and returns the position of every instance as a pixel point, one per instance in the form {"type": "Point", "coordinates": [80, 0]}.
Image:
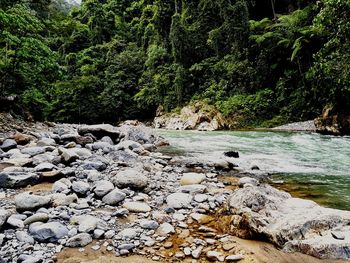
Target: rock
{"type": "Point", "coordinates": [22, 139]}
{"type": "Point", "coordinates": [130, 145]}
{"type": "Point", "coordinates": [200, 198]}
{"type": "Point", "coordinates": [80, 240]}
{"type": "Point", "coordinates": [192, 178]}
{"type": "Point", "coordinates": [47, 157]}
{"type": "Point", "coordinates": [18, 179]}
{"type": "Point", "coordinates": [38, 217]}
{"type": "Point", "coordinates": [130, 178]}
{"type": "Point", "coordinates": [32, 151]}
{"type": "Point", "coordinates": [60, 199]}
{"type": "Point", "coordinates": [138, 132]}
{"type": "Point", "coordinates": [197, 252]}
{"type": "Point", "coordinates": [44, 167]}
{"type": "Point", "coordinates": [68, 155]}
{"type": "Point", "coordinates": [8, 144]}
{"type": "Point", "coordinates": [103, 187]}
{"type": "Point", "coordinates": [128, 233]}
{"type": "Point", "coordinates": [48, 232]}
{"type": "Point", "coordinates": [215, 256]}
{"type": "Point", "coordinates": [59, 187]}
{"type": "Point", "coordinates": [148, 224]}
{"type": "Point", "coordinates": [255, 167]}
{"type": "Point", "coordinates": [81, 188]}
{"type": "Point", "coordinates": [94, 165]}
{"type": "Point", "coordinates": [15, 222]}
{"type": "Point", "coordinates": [179, 200]}
{"type": "Point", "coordinates": [114, 197]}
{"type": "Point", "coordinates": [333, 122]}
{"type": "Point", "coordinates": [232, 154]}
{"type": "Point", "coordinates": [228, 246]}
{"type": "Point", "coordinates": [87, 223]}
{"type": "Point", "coordinates": [4, 215]}
{"type": "Point", "coordinates": [233, 258]}
{"type": "Point", "coordinates": [338, 235]}
{"type": "Point", "coordinates": [137, 207]}
{"type": "Point", "coordinates": [24, 237]}
{"type": "Point", "coordinates": [84, 140]}
{"type": "Point", "coordinates": [26, 201]}
{"type": "Point", "coordinates": [247, 180]}
{"type": "Point", "coordinates": [165, 229]}
{"type": "Point", "coordinates": [109, 234]}
{"type": "Point", "coordinates": [19, 162]}
{"type": "Point", "coordinates": [168, 244]}
{"type": "Point", "coordinates": [193, 189]}
{"type": "Point", "coordinates": [201, 218]}
{"type": "Point", "coordinates": [98, 233]}
{"type": "Point", "coordinates": [100, 130]}
{"type": "Point", "coordinates": [291, 223]}
{"type": "Point", "coordinates": [46, 142]}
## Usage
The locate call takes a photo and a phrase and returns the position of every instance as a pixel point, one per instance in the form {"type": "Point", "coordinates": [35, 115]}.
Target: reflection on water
{"type": "Point", "coordinates": [312, 165]}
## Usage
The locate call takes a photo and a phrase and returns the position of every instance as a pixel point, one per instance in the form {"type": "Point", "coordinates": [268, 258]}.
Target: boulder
{"type": "Point", "coordinates": [132, 178]}
{"type": "Point", "coordinates": [26, 201]}
{"type": "Point", "coordinates": [138, 132]}
{"type": "Point", "coordinates": [291, 223]}
{"type": "Point", "coordinates": [18, 179]}
{"type": "Point", "coordinates": [79, 240]}
{"type": "Point", "coordinates": [48, 232]}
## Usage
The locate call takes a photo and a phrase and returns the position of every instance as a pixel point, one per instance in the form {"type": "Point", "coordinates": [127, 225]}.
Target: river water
{"type": "Point", "coordinates": [311, 165]}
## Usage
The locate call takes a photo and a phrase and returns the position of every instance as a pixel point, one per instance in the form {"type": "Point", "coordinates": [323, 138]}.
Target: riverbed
{"type": "Point", "coordinates": [310, 165]}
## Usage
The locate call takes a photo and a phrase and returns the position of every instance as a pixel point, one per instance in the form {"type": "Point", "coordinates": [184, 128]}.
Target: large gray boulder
{"type": "Point", "coordinates": [132, 178]}
{"type": "Point", "coordinates": [291, 223]}
{"type": "Point", "coordinates": [26, 201]}
{"type": "Point", "coordinates": [48, 232]}
{"type": "Point", "coordinates": [18, 179]}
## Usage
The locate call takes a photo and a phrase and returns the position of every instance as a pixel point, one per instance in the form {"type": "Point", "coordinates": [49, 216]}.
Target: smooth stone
{"type": "Point", "coordinates": [137, 207]}
{"type": "Point", "coordinates": [68, 155]}
{"type": "Point", "coordinates": [24, 237]}
{"type": "Point", "coordinates": [109, 234]}
{"type": "Point", "coordinates": [32, 151]}
{"type": "Point", "coordinates": [80, 240]}
{"type": "Point", "coordinates": [192, 178]}
{"type": "Point", "coordinates": [114, 197]}
{"type": "Point", "coordinates": [80, 187]}
{"type": "Point", "coordinates": [15, 222]}
{"type": "Point", "coordinates": [149, 224]}
{"type": "Point", "coordinates": [228, 246]}
{"type": "Point", "coordinates": [60, 199]}
{"type": "Point", "coordinates": [200, 198]}
{"type": "Point", "coordinates": [165, 229]}
{"type": "Point", "coordinates": [26, 201]}
{"type": "Point", "coordinates": [38, 217]}
{"type": "Point", "coordinates": [179, 200]}
{"type": "Point", "coordinates": [44, 167]}
{"type": "Point", "coordinates": [131, 178]}
{"type": "Point", "coordinates": [215, 256]}
{"type": "Point", "coordinates": [236, 257]}
{"type": "Point", "coordinates": [128, 233]}
{"type": "Point", "coordinates": [48, 232]}
{"type": "Point", "coordinates": [4, 215]}
{"type": "Point", "coordinates": [46, 142]}
{"type": "Point", "coordinates": [87, 223]}
{"type": "Point", "coordinates": [247, 180]}
{"type": "Point", "coordinates": [103, 187]}
{"type": "Point", "coordinates": [8, 144]}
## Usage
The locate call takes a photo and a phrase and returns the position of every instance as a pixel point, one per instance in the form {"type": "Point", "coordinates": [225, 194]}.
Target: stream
{"type": "Point", "coordinates": [311, 165]}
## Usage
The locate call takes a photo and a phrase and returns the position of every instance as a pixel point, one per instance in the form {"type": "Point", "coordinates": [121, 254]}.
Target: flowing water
{"type": "Point", "coordinates": [311, 165]}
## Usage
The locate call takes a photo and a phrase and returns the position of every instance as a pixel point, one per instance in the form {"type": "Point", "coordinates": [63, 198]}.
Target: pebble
{"type": "Point", "coordinates": [236, 257]}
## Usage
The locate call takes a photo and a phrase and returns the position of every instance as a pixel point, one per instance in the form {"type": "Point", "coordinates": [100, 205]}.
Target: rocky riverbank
{"type": "Point", "coordinates": [73, 193]}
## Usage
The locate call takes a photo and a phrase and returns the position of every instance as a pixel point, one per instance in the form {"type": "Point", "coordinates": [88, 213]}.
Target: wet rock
{"type": "Point", "coordinates": [137, 207]}
{"type": "Point", "coordinates": [130, 178]}
{"type": "Point", "coordinates": [103, 187]}
{"type": "Point", "coordinates": [26, 201]}
{"type": "Point", "coordinates": [292, 223]}
{"type": "Point", "coordinates": [179, 200]}
{"type": "Point", "coordinates": [18, 179]}
{"type": "Point", "coordinates": [94, 165]}
{"type": "Point", "coordinates": [114, 197]}
{"type": "Point", "coordinates": [8, 144]}
{"type": "Point", "coordinates": [192, 178]}
{"type": "Point", "coordinates": [80, 240]}
{"type": "Point", "coordinates": [48, 232]}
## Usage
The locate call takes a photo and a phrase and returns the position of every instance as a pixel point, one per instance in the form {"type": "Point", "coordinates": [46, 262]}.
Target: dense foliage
{"type": "Point", "coordinates": [109, 60]}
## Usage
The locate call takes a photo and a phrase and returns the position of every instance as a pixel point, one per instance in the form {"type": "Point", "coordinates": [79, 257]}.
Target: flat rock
{"type": "Point", "coordinates": [8, 144]}
{"type": "Point", "coordinates": [18, 179]}
{"type": "Point", "coordinates": [48, 232]}
{"type": "Point", "coordinates": [26, 201]}
{"type": "Point", "coordinates": [103, 187]}
{"type": "Point", "coordinates": [137, 207]}
{"type": "Point", "coordinates": [192, 178]}
{"type": "Point", "coordinates": [179, 200]}
{"type": "Point", "coordinates": [38, 217]}
{"type": "Point", "coordinates": [80, 240]}
{"type": "Point", "coordinates": [32, 151]}
{"type": "Point", "coordinates": [24, 237]}
{"type": "Point", "coordinates": [165, 229]}
{"type": "Point", "coordinates": [193, 189]}
{"type": "Point", "coordinates": [100, 130]}
{"type": "Point", "coordinates": [130, 178]}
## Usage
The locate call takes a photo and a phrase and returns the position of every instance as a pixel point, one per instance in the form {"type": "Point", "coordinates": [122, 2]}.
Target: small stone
{"type": "Point", "coordinates": [15, 222]}
{"type": "Point", "coordinates": [197, 252]}
{"type": "Point", "coordinates": [137, 207]}
{"type": "Point", "coordinates": [128, 233]}
{"type": "Point", "coordinates": [201, 218]}
{"type": "Point", "coordinates": [24, 237]}
{"type": "Point", "coordinates": [228, 246]}
{"type": "Point", "coordinates": [97, 247]}
{"type": "Point", "coordinates": [187, 251]}
{"type": "Point", "coordinates": [192, 178]}
{"type": "Point", "coordinates": [149, 224]}
{"type": "Point", "coordinates": [98, 233]}
{"type": "Point", "coordinates": [8, 144]}
{"type": "Point", "coordinates": [110, 234]}
{"type": "Point", "coordinates": [26, 201]}
{"type": "Point", "coordinates": [215, 256]}
{"type": "Point", "coordinates": [236, 257]}
{"type": "Point", "coordinates": [131, 178]}
{"type": "Point", "coordinates": [103, 187]}
{"type": "Point", "coordinates": [200, 198]}
{"type": "Point", "coordinates": [168, 244]}
{"type": "Point", "coordinates": [165, 229]}
{"type": "Point", "coordinates": [247, 180]}
{"type": "Point", "coordinates": [179, 200]}
{"type": "Point", "coordinates": [38, 217]}
{"type": "Point", "coordinates": [114, 197]}
{"type": "Point", "coordinates": [48, 232]}
{"type": "Point", "coordinates": [81, 188]}
{"type": "Point", "coordinates": [4, 215]}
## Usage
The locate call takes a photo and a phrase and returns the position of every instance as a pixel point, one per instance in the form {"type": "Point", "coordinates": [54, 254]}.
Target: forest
{"type": "Point", "coordinates": [271, 61]}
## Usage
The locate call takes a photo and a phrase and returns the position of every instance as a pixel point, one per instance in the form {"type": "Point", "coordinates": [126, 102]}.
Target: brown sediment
{"type": "Point", "coordinates": [39, 188]}
{"type": "Point", "coordinates": [230, 182]}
